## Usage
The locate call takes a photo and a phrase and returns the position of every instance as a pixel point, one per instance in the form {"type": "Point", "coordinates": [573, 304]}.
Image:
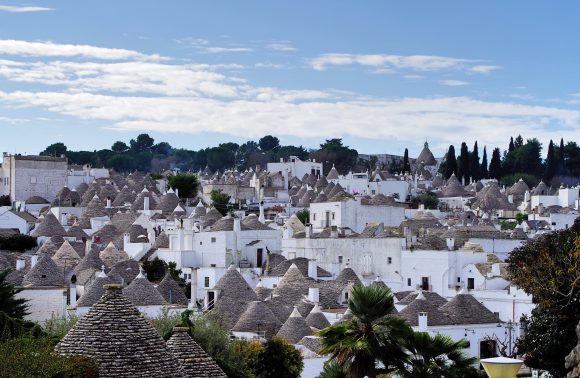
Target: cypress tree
{"type": "Point", "coordinates": [463, 165]}
{"type": "Point", "coordinates": [551, 164]}
{"type": "Point", "coordinates": [562, 159]}
{"type": "Point", "coordinates": [406, 165]}
{"type": "Point", "coordinates": [474, 163]}
{"type": "Point", "coordinates": [495, 170]}
{"type": "Point", "coordinates": [450, 162]}
{"type": "Point", "coordinates": [511, 146]}
{"type": "Point", "coordinates": [483, 169]}
{"type": "Point", "coordinates": [518, 142]}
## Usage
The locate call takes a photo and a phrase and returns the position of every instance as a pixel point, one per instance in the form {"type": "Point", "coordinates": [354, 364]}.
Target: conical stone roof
{"type": "Point", "coordinates": [66, 256]}
{"type": "Point", "coordinates": [50, 246]}
{"type": "Point", "coordinates": [171, 291]}
{"type": "Point", "coordinates": [125, 196]}
{"type": "Point", "coordinates": [295, 328]}
{"type": "Point", "coordinates": [195, 361]}
{"type": "Point", "coordinates": [76, 231]}
{"type": "Point", "coordinates": [91, 259]}
{"type": "Point", "coordinates": [50, 226]}
{"type": "Point", "coordinates": [234, 296]}
{"type": "Point", "coordinates": [141, 292]}
{"type": "Point", "coordinates": [332, 174]}
{"type": "Point", "coordinates": [426, 156]}
{"type": "Point", "coordinates": [256, 318]}
{"type": "Point", "coordinates": [348, 275]}
{"type": "Point", "coordinates": [162, 241]}
{"type": "Point", "coordinates": [168, 202]}
{"type": "Point", "coordinates": [120, 340]}
{"type": "Point", "coordinates": [94, 290]}
{"type": "Point", "coordinates": [465, 309]}
{"type": "Point", "coordinates": [316, 318]}
{"type": "Point", "coordinates": [292, 287]}
{"type": "Point", "coordinates": [261, 291]}
{"type": "Point", "coordinates": [111, 255]}
{"type": "Point", "coordinates": [44, 273]}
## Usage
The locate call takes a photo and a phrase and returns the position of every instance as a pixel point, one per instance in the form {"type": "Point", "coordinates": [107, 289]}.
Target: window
{"type": "Point", "coordinates": [471, 283]}
{"type": "Point", "coordinates": [43, 276]}
{"type": "Point", "coordinates": [212, 265]}
{"type": "Point", "coordinates": [389, 260]}
{"type": "Point", "coordinates": [33, 179]}
{"type": "Point", "coordinates": [332, 216]}
{"type": "Point", "coordinates": [206, 282]}
{"type": "Point", "coordinates": [340, 259]}
{"type": "Point", "coordinates": [200, 243]}
{"type": "Point", "coordinates": [425, 283]}
{"type": "Point", "coordinates": [458, 279]}
{"type": "Point", "coordinates": [373, 192]}
{"type": "Point", "coordinates": [313, 216]}
{"type": "Point", "coordinates": [408, 282]}
{"type": "Point", "coordinates": [213, 240]}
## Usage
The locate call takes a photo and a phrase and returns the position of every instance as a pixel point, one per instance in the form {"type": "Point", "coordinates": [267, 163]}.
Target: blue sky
{"type": "Point", "coordinates": [382, 75]}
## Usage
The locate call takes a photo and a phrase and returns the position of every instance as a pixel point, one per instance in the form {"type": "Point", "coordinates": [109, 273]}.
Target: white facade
{"type": "Point", "coordinates": [86, 175]}
{"type": "Point", "coordinates": [354, 215]}
{"type": "Point", "coordinates": [8, 219]}
{"type": "Point", "coordinates": [296, 167]}
{"type": "Point", "coordinates": [566, 197]}
{"type": "Point", "coordinates": [44, 302]}
{"type": "Point", "coordinates": [22, 177]}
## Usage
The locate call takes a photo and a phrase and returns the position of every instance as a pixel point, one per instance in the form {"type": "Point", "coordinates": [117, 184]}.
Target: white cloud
{"type": "Point", "coordinates": [484, 69]}
{"type": "Point", "coordinates": [453, 83]}
{"type": "Point", "coordinates": [269, 65]}
{"type": "Point", "coordinates": [281, 46]}
{"type": "Point", "coordinates": [23, 9]}
{"type": "Point", "coordinates": [203, 45]}
{"type": "Point", "coordinates": [414, 62]}
{"type": "Point", "coordinates": [413, 77]}
{"type": "Point", "coordinates": [215, 49]}
{"type": "Point", "coordinates": [49, 49]}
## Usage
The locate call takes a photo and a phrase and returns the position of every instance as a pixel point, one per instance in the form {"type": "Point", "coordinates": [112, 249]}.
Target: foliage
{"type": "Point", "coordinates": [119, 147]}
{"type": "Point", "coordinates": [304, 216]}
{"type": "Point", "coordinates": [221, 201]}
{"type": "Point", "coordinates": [155, 269]}
{"type": "Point", "coordinates": [34, 357]}
{"type": "Point", "coordinates": [551, 164]}
{"type": "Point", "coordinates": [55, 149]}
{"type": "Point", "coordinates": [509, 180]}
{"type": "Point", "coordinates": [142, 143]}
{"type": "Point", "coordinates": [276, 358]}
{"type": "Point", "coordinates": [450, 166]}
{"type": "Point", "coordinates": [11, 328]}
{"type": "Point", "coordinates": [429, 200]}
{"type": "Point", "coordinates": [186, 184]}
{"type": "Point", "coordinates": [17, 242]}
{"type": "Point", "coordinates": [332, 370]}
{"type": "Point", "coordinates": [548, 268]}
{"type": "Point", "coordinates": [165, 321]}
{"type": "Point", "coordinates": [483, 169]}
{"type": "Point", "coordinates": [58, 326]}
{"type": "Point", "coordinates": [463, 164]}
{"type": "Point", "coordinates": [507, 225]}
{"type": "Point", "coordinates": [334, 152]}
{"type": "Point", "coordinates": [406, 165]}
{"type": "Point", "coordinates": [495, 168]}
{"type": "Point", "coordinates": [436, 356]}
{"type": "Point", "coordinates": [9, 304]}
{"type": "Point", "coordinates": [474, 167]}
{"type": "Point", "coordinates": [371, 335]}
{"type": "Point", "coordinates": [5, 200]}
{"type": "Point", "coordinates": [269, 143]}
{"type": "Point", "coordinates": [521, 217]}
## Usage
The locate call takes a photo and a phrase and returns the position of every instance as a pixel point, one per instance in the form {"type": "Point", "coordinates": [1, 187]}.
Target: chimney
{"type": "Point", "coordinates": [33, 260]}
{"type": "Point", "coordinates": [262, 218]}
{"type": "Point", "coordinates": [194, 288]}
{"type": "Point", "coordinates": [314, 294]}
{"type": "Point", "coordinates": [20, 264]}
{"type": "Point", "coordinates": [109, 202]}
{"type": "Point", "coordinates": [181, 240]}
{"type": "Point", "coordinates": [527, 196]}
{"type": "Point", "coordinates": [333, 232]}
{"type": "Point", "coordinates": [63, 220]}
{"type": "Point", "coordinates": [308, 231]}
{"type": "Point", "coordinates": [287, 233]}
{"type": "Point", "coordinates": [126, 241]}
{"type": "Point", "coordinates": [72, 294]}
{"type": "Point", "coordinates": [146, 203]}
{"type": "Point", "coordinates": [422, 321]}
{"type": "Point", "coordinates": [495, 270]}
{"type": "Point", "coordinates": [88, 245]}
{"type": "Point", "coordinates": [312, 269]}
{"type": "Point", "coordinates": [511, 198]}
{"type": "Point", "coordinates": [451, 244]}
{"type": "Point", "coordinates": [237, 224]}
{"type": "Point", "coordinates": [177, 192]}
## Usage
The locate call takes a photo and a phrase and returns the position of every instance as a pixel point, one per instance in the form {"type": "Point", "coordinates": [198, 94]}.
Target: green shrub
{"type": "Point", "coordinates": [58, 326]}
{"type": "Point", "coordinates": [18, 242]}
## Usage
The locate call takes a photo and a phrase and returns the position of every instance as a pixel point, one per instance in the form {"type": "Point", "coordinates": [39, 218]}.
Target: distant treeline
{"type": "Point", "coordinates": [520, 159]}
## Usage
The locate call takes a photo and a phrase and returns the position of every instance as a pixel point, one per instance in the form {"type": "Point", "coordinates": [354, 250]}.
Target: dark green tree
{"type": "Point", "coordinates": [561, 158]}
{"type": "Point", "coordinates": [122, 163]}
{"type": "Point", "coordinates": [436, 356]}
{"type": "Point", "coordinates": [474, 167]}
{"type": "Point", "coordinates": [220, 158]}
{"type": "Point", "coordinates": [370, 336]}
{"type": "Point", "coordinates": [483, 169]}
{"type": "Point", "coordinates": [495, 168]}
{"type": "Point", "coordinates": [406, 165]}
{"type": "Point", "coordinates": [119, 147]}
{"type": "Point", "coordinates": [304, 216]}
{"type": "Point", "coordinates": [221, 201]}
{"type": "Point", "coordinates": [548, 268]}
{"type": "Point", "coordinates": [463, 164]}
{"type": "Point", "coordinates": [55, 149]}
{"type": "Point", "coordinates": [142, 143]}
{"type": "Point", "coordinates": [572, 154]}
{"type": "Point", "coordinates": [155, 269]}
{"type": "Point", "coordinates": [269, 143]}
{"type": "Point", "coordinates": [529, 157]}
{"type": "Point", "coordinates": [450, 163]}
{"type": "Point", "coordinates": [10, 305]}
{"type": "Point", "coordinates": [551, 164]}
{"type": "Point", "coordinates": [186, 184]}
{"type": "Point", "coordinates": [334, 152]}
{"type": "Point", "coordinates": [280, 359]}
{"type": "Point", "coordinates": [511, 145]}
{"type": "Point", "coordinates": [518, 142]}
{"type": "Point", "coordinates": [162, 148]}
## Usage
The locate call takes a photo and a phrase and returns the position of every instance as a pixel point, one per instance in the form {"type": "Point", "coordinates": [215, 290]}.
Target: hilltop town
{"type": "Point", "coordinates": [271, 250]}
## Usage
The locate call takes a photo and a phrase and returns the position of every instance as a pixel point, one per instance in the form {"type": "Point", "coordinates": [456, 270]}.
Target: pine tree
{"type": "Point", "coordinates": [511, 146]}
{"type": "Point", "coordinates": [474, 163]}
{"type": "Point", "coordinates": [551, 164]}
{"type": "Point", "coordinates": [483, 169]}
{"type": "Point", "coordinates": [518, 142]}
{"type": "Point", "coordinates": [495, 170]}
{"type": "Point", "coordinates": [406, 165]}
{"type": "Point", "coordinates": [450, 163]}
{"type": "Point", "coordinates": [11, 306]}
{"type": "Point", "coordinates": [463, 166]}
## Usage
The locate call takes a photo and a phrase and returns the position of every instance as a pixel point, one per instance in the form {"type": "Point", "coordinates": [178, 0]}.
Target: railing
{"type": "Point", "coordinates": [209, 306]}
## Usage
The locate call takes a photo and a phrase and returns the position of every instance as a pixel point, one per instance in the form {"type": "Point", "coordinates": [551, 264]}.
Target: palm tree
{"type": "Point", "coordinates": [436, 356]}
{"type": "Point", "coordinates": [371, 336]}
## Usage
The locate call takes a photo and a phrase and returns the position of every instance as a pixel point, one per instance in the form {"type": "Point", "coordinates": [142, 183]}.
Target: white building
{"type": "Point", "coordinates": [86, 174]}
{"type": "Point", "coordinates": [566, 197]}
{"type": "Point", "coordinates": [296, 167]}
{"type": "Point", "coordinates": [22, 177]}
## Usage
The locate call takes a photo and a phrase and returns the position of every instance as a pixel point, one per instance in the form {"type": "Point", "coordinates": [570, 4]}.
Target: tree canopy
{"type": "Point", "coordinates": [186, 184]}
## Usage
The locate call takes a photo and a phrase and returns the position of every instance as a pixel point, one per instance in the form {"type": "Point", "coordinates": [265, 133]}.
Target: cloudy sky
{"type": "Point", "coordinates": [382, 75]}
